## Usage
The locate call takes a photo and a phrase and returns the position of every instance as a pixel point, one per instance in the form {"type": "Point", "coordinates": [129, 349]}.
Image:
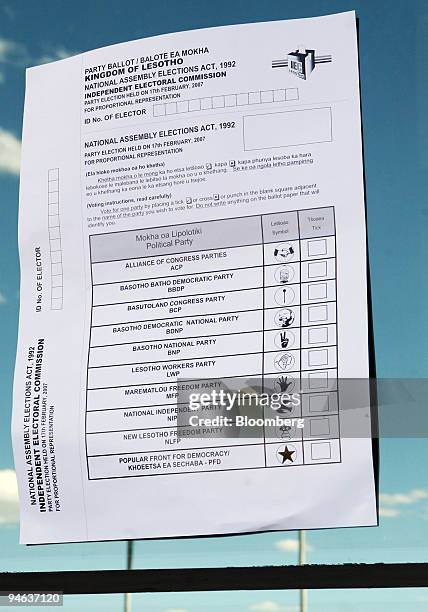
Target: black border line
{"type": "Point", "coordinates": [176, 580]}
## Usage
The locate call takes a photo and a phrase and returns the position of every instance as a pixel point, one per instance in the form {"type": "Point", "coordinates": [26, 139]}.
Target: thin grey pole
{"type": "Point", "coordinates": [129, 555]}
{"type": "Point", "coordinates": [302, 560]}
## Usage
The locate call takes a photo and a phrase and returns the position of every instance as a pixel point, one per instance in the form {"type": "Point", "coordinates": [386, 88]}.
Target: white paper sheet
{"type": "Point", "coordinates": [192, 205]}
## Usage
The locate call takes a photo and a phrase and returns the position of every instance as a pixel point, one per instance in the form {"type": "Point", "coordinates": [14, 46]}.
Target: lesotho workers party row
{"type": "Point", "coordinates": [192, 244]}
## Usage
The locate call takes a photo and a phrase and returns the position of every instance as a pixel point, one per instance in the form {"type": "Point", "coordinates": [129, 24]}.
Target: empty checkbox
{"type": "Point", "coordinates": [56, 269]}
{"type": "Point", "coordinates": [317, 269]}
{"type": "Point", "coordinates": [317, 313]}
{"type": "Point", "coordinates": [319, 403]}
{"type": "Point", "coordinates": [183, 106]}
{"type": "Point", "coordinates": [53, 186]}
{"type": "Point", "coordinates": [230, 100]}
{"type": "Point", "coordinates": [55, 244]}
{"type": "Point", "coordinates": [241, 99]}
{"type": "Point", "coordinates": [317, 291]}
{"type": "Point", "coordinates": [318, 335]}
{"type": "Point", "coordinates": [194, 105]}
{"type": "Point", "coordinates": [254, 97]}
{"type": "Point", "coordinates": [171, 108]}
{"type": "Point", "coordinates": [158, 110]}
{"type": "Point", "coordinates": [206, 103]}
{"type": "Point", "coordinates": [319, 427]}
{"type": "Point", "coordinates": [292, 93]}
{"type": "Point", "coordinates": [56, 257]}
{"type": "Point", "coordinates": [317, 248]}
{"type": "Point", "coordinates": [320, 450]}
{"type": "Point", "coordinates": [53, 220]}
{"type": "Point", "coordinates": [318, 380]}
{"type": "Point", "coordinates": [317, 358]}
{"type": "Point", "coordinates": [53, 198]}
{"type": "Point", "coordinates": [56, 292]}
{"type": "Point", "coordinates": [57, 278]}
{"type": "Point", "coordinates": [56, 303]}
{"type": "Point", "coordinates": [218, 101]}
{"type": "Point", "coordinates": [53, 174]}
{"type": "Point", "coordinates": [266, 96]}
{"type": "Point", "coordinates": [54, 234]}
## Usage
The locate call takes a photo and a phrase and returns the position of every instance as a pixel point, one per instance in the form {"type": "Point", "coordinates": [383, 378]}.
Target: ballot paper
{"type": "Point", "coordinates": [192, 214]}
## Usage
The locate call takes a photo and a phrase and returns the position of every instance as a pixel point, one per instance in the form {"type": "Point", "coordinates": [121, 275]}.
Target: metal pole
{"type": "Point", "coordinates": [129, 555]}
{"type": "Point", "coordinates": [302, 560]}
{"type": "Point", "coordinates": [128, 602]}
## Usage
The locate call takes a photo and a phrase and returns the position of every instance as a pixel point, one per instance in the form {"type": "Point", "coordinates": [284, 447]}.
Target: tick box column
{"type": "Point", "coordinates": [321, 443]}
{"type": "Point", "coordinates": [318, 289]}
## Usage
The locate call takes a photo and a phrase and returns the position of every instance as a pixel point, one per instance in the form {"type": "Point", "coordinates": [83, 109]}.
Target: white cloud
{"type": "Point", "coordinates": [396, 499]}
{"type": "Point", "coordinates": [392, 503]}
{"type": "Point", "coordinates": [272, 606]}
{"type": "Point", "coordinates": [290, 545]}
{"type": "Point", "coordinates": [6, 47]}
{"type": "Point", "coordinates": [10, 152]}
{"type": "Point", "coordinates": [12, 53]}
{"type": "Point", "coordinates": [266, 606]}
{"type": "Point", "coordinates": [389, 512]}
{"type": "Point", "coordinates": [54, 55]}
{"type": "Point", "coordinates": [287, 545]}
{"type": "Point", "coordinates": [2, 299]}
{"type": "Point", "coordinates": [16, 55]}
{"type": "Point", "coordinates": [9, 505]}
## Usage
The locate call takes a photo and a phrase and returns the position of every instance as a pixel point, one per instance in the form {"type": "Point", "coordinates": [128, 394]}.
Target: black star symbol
{"type": "Point", "coordinates": [286, 454]}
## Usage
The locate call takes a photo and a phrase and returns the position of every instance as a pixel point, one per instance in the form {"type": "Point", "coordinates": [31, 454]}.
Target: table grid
{"type": "Point", "coordinates": [55, 246]}
{"type": "Point", "coordinates": [189, 306]}
{"type": "Point", "coordinates": [226, 101]}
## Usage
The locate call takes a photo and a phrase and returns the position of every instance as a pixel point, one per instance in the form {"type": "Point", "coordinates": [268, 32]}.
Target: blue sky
{"type": "Point", "coordinates": [393, 52]}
